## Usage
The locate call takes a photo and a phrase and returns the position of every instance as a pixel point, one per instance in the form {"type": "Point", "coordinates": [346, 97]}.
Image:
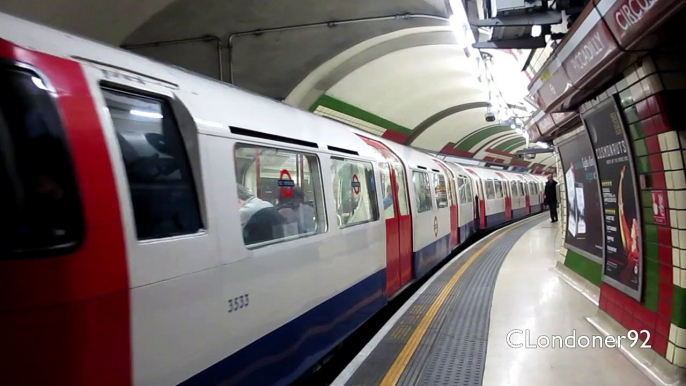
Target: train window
{"type": "Point", "coordinates": [280, 194]}
{"type": "Point", "coordinates": [513, 188]}
{"type": "Point", "coordinates": [38, 189]}
{"type": "Point", "coordinates": [498, 189]}
{"type": "Point", "coordinates": [522, 190]}
{"type": "Point", "coordinates": [441, 191]}
{"type": "Point", "coordinates": [490, 189]}
{"type": "Point", "coordinates": [402, 189]}
{"type": "Point", "coordinates": [386, 190]}
{"type": "Point", "coordinates": [422, 191]}
{"type": "Point", "coordinates": [162, 190]}
{"type": "Point", "coordinates": [354, 192]}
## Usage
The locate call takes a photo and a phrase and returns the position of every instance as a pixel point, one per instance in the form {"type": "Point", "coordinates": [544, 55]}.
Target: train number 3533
{"type": "Point", "coordinates": [239, 302]}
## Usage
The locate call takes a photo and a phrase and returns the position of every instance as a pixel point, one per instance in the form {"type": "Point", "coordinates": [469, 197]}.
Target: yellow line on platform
{"type": "Point", "coordinates": [401, 362]}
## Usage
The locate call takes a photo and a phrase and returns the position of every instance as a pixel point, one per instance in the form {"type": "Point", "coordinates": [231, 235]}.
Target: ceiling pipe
{"type": "Point", "coordinates": [330, 24]}
{"type": "Point", "coordinates": [204, 38]}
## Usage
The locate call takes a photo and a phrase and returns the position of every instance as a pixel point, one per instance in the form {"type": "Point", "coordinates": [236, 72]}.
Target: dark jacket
{"type": "Point", "coordinates": [551, 192]}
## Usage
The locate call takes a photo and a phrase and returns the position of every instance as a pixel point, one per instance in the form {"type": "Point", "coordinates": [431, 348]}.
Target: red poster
{"type": "Point", "coordinates": [659, 212]}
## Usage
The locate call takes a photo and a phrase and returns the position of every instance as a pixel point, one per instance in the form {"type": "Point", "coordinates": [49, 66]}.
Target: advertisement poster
{"type": "Point", "coordinates": [584, 209]}
{"type": "Point", "coordinates": [623, 256]}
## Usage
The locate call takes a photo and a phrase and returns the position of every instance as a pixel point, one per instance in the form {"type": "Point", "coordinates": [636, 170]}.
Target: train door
{"type": "Point", "coordinates": [452, 197]}
{"type": "Point", "coordinates": [506, 193]}
{"type": "Point", "coordinates": [527, 193]}
{"type": "Point", "coordinates": [398, 219]}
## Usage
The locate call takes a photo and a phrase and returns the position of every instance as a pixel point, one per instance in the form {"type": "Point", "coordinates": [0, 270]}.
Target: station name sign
{"type": "Point", "coordinates": [631, 12]}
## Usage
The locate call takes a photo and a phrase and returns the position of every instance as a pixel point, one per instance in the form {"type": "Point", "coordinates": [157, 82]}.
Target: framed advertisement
{"type": "Point", "coordinates": [623, 262]}
{"type": "Point", "coordinates": [585, 228]}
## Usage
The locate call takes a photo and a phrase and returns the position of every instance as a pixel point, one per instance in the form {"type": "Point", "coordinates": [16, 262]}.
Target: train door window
{"type": "Point", "coordinates": [498, 189]}
{"type": "Point", "coordinates": [386, 190]}
{"type": "Point", "coordinates": [490, 189]}
{"type": "Point", "coordinates": [513, 188]}
{"type": "Point", "coordinates": [38, 188]}
{"type": "Point", "coordinates": [463, 190]}
{"type": "Point", "coordinates": [441, 192]}
{"type": "Point", "coordinates": [422, 191]}
{"type": "Point", "coordinates": [354, 192]}
{"type": "Point", "coordinates": [449, 185]}
{"type": "Point", "coordinates": [468, 190]}
{"type": "Point", "coordinates": [163, 194]}
{"type": "Point", "coordinates": [280, 194]}
{"type": "Point", "coordinates": [403, 201]}
{"type": "Point", "coordinates": [521, 186]}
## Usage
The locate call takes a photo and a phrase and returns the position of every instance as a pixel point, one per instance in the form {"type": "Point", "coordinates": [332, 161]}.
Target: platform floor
{"type": "Point", "coordinates": [453, 330]}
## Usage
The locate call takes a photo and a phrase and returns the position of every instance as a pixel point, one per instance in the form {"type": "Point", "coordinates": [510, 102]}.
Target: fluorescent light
{"type": "Point", "coordinates": [146, 114]}
{"type": "Point", "coordinates": [536, 31]}
{"type": "Point", "coordinates": [513, 126]}
{"type": "Point", "coordinates": [542, 144]}
{"type": "Point", "coordinates": [39, 83]}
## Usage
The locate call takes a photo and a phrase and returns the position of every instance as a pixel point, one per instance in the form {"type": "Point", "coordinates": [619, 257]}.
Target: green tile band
{"type": "Point", "coordinates": [679, 306]}
{"type": "Point", "coordinates": [588, 269]}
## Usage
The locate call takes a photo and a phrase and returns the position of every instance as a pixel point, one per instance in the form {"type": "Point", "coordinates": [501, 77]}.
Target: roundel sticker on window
{"type": "Point", "coordinates": [435, 226]}
{"type": "Point", "coordinates": [356, 184]}
{"type": "Point", "coordinates": [286, 183]}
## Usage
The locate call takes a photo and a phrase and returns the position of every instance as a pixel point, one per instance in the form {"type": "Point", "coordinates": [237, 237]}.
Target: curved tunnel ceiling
{"type": "Point", "coordinates": [410, 85]}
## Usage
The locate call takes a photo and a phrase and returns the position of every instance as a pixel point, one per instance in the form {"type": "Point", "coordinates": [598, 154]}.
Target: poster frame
{"type": "Point", "coordinates": [588, 255]}
{"type": "Point", "coordinates": [635, 294]}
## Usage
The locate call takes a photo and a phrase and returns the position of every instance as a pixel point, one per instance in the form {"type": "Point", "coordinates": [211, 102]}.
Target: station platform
{"type": "Point", "coordinates": [454, 329]}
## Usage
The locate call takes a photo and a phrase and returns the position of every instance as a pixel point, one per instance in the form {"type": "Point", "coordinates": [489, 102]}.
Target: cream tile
{"type": "Point", "coordinates": [669, 179]}
{"type": "Point", "coordinates": [675, 160]}
{"type": "Point", "coordinates": [631, 75]}
{"type": "Point", "coordinates": [673, 218]}
{"type": "Point", "coordinates": [683, 259]}
{"type": "Point", "coordinates": [637, 92]}
{"type": "Point", "coordinates": [652, 84]}
{"type": "Point", "coordinates": [681, 214]}
{"type": "Point", "coordinates": [671, 139]}
{"type": "Point", "coordinates": [670, 352]}
{"type": "Point", "coordinates": [682, 283]}
{"type": "Point", "coordinates": [676, 256]}
{"type": "Point", "coordinates": [680, 199]}
{"type": "Point", "coordinates": [676, 276]}
{"type": "Point", "coordinates": [680, 336]}
{"type": "Point", "coordinates": [666, 161]}
{"type": "Point", "coordinates": [681, 241]}
{"type": "Point", "coordinates": [671, 199]}
{"type": "Point", "coordinates": [679, 357]}
{"type": "Point", "coordinates": [675, 238]}
{"type": "Point", "coordinates": [672, 332]}
{"type": "Point", "coordinates": [678, 179]}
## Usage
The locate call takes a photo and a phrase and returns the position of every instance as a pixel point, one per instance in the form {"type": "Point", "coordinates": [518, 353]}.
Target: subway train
{"type": "Point", "coordinates": [164, 228]}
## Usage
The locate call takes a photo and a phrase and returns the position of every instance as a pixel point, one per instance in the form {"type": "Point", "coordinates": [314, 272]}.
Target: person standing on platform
{"type": "Point", "coordinates": [551, 197]}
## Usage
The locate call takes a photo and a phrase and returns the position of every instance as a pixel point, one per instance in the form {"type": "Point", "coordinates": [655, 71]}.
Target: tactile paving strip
{"type": "Point", "coordinates": [453, 349]}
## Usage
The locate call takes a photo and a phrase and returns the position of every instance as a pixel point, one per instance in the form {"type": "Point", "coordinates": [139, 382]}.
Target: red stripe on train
{"type": "Point", "coordinates": [66, 320]}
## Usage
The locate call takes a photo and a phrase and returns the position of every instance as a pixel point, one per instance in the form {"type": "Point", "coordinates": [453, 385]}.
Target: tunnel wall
{"type": "Point", "coordinates": [651, 95]}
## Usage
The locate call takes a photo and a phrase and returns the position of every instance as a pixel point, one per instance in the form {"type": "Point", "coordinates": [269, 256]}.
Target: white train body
{"type": "Point", "coordinates": [158, 279]}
